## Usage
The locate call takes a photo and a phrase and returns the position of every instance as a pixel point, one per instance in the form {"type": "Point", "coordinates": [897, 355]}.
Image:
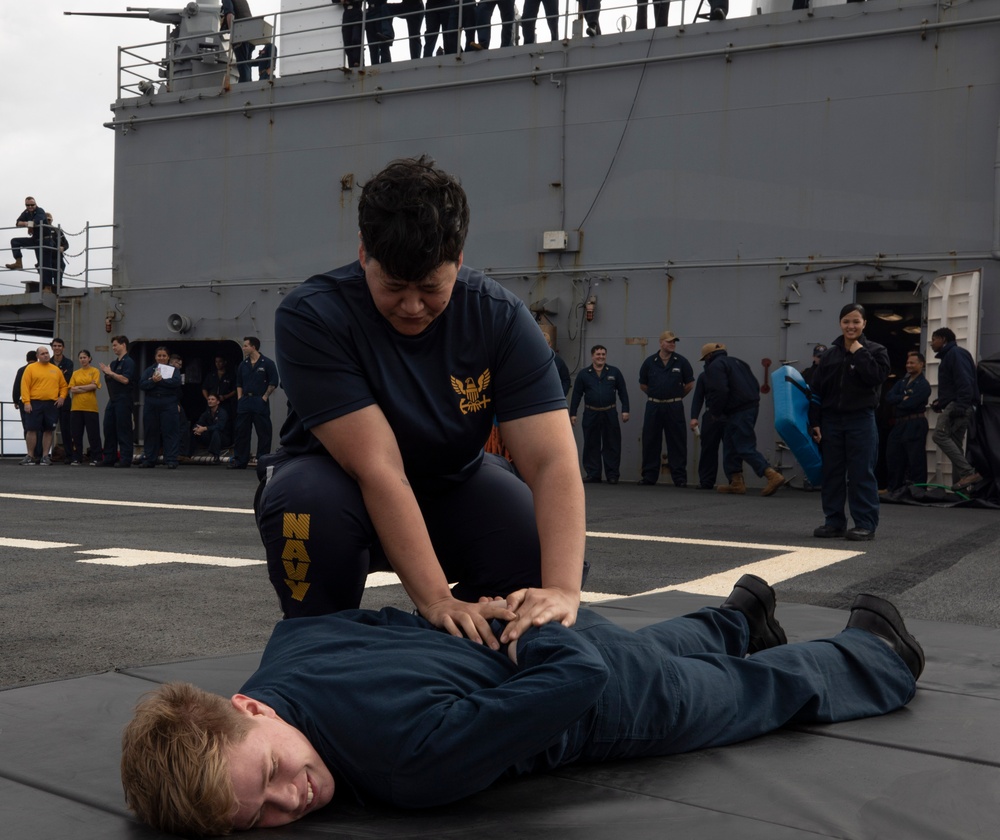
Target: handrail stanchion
{"type": "Point", "coordinates": [86, 256]}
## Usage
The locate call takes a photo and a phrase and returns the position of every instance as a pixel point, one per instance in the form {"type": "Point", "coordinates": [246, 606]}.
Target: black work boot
{"type": "Point", "coordinates": [880, 617]}
{"type": "Point", "coordinates": [753, 597]}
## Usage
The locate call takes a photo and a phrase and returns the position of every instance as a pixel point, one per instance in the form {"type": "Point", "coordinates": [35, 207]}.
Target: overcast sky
{"type": "Point", "coordinates": [59, 78]}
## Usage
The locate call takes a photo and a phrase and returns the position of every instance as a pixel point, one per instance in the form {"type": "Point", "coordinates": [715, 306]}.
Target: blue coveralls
{"type": "Point", "coordinates": [410, 715]}
{"type": "Point", "coordinates": [664, 416]}
{"type": "Point", "coordinates": [118, 414]}
{"type": "Point", "coordinates": [253, 379]}
{"type": "Point", "coordinates": [602, 435]}
{"type": "Point", "coordinates": [160, 422]}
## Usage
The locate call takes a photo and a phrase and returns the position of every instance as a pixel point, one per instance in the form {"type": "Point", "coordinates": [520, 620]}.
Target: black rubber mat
{"type": "Point", "coordinates": [931, 770]}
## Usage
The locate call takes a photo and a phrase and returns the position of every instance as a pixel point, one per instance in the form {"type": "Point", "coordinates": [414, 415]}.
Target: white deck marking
{"type": "Point", "coordinates": [790, 560]}
{"type": "Point", "coordinates": [121, 503]}
{"type": "Point", "coordinates": [793, 560]}
{"type": "Point", "coordinates": [383, 579]}
{"type": "Point", "coordinates": [139, 557]}
{"type": "Point", "coordinates": [10, 542]}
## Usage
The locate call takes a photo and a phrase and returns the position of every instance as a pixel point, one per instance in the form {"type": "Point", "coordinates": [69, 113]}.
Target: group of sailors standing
{"type": "Point", "coordinates": [373, 19]}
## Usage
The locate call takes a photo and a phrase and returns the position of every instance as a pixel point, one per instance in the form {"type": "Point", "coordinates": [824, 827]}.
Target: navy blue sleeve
{"type": "Point", "coordinates": [622, 390]}
{"type": "Point", "coordinates": [921, 391]}
{"type": "Point", "coordinates": [127, 369]}
{"type": "Point", "coordinates": [896, 393]}
{"type": "Point", "coordinates": [687, 372]}
{"type": "Point", "coordinates": [644, 373]}
{"type": "Point", "coordinates": [272, 372]}
{"type": "Point", "coordinates": [965, 378]}
{"type": "Point", "coordinates": [871, 364]}
{"type": "Point", "coordinates": [465, 743]}
{"type": "Point", "coordinates": [321, 370]}
{"type": "Point", "coordinates": [146, 380]}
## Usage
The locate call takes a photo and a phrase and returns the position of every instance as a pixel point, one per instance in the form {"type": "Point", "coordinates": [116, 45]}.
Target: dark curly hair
{"type": "Point", "coordinates": [413, 217]}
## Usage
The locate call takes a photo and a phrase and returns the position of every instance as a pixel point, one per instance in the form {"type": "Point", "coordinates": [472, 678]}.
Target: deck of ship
{"type": "Point", "coordinates": [106, 573]}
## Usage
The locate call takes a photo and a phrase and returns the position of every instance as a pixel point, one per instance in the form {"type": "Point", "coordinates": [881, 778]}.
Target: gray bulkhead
{"type": "Point", "coordinates": [737, 182]}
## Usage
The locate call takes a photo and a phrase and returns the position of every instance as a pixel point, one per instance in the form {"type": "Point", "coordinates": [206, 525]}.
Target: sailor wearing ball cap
{"type": "Point", "coordinates": [810, 371]}
{"type": "Point", "coordinates": [732, 396]}
{"type": "Point", "coordinates": [666, 378]}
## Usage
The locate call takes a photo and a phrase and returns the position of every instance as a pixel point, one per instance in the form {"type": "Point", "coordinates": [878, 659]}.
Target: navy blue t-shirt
{"type": "Point", "coordinates": [483, 357]}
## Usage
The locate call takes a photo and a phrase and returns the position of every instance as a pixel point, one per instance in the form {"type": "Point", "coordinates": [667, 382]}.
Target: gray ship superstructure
{"type": "Point", "coordinates": [734, 181]}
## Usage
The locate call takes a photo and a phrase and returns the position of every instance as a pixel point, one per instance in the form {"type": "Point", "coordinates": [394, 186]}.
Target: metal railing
{"type": "Point", "coordinates": [11, 431]}
{"type": "Point", "coordinates": [62, 259]}
{"type": "Point", "coordinates": [356, 34]}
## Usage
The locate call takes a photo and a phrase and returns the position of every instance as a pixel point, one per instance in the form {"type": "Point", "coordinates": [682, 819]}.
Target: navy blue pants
{"type": "Point", "coordinates": [351, 30]}
{"type": "Point", "coordinates": [708, 457]}
{"type": "Point", "coordinates": [160, 428]}
{"type": "Point", "coordinates": [906, 453]}
{"type": "Point", "coordinates": [20, 242]}
{"type": "Point", "coordinates": [484, 15]}
{"type": "Point", "coordinates": [530, 15]}
{"type": "Point", "coordinates": [592, 14]}
{"type": "Point", "coordinates": [412, 11]}
{"type": "Point", "coordinates": [666, 421]}
{"type": "Point", "coordinates": [260, 421]}
{"type": "Point", "coordinates": [850, 452]}
{"type": "Point", "coordinates": [435, 20]}
{"type": "Point", "coordinates": [684, 684]}
{"type": "Point", "coordinates": [661, 9]}
{"type": "Point", "coordinates": [602, 442]}
{"type": "Point", "coordinates": [242, 53]}
{"type": "Point", "coordinates": [460, 17]}
{"type": "Point", "coordinates": [321, 544]}
{"type": "Point", "coordinates": [214, 441]}
{"type": "Point", "coordinates": [739, 442]}
{"type": "Point", "coordinates": [118, 430]}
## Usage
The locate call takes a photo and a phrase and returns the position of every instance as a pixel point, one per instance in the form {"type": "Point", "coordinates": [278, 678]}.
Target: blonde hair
{"type": "Point", "coordinates": [175, 768]}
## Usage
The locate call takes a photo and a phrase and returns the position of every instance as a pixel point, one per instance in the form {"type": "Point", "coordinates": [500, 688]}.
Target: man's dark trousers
{"type": "Point", "coordinates": [740, 442]}
{"type": "Point", "coordinates": [602, 440]}
{"type": "Point", "coordinates": [118, 430]}
{"type": "Point", "coordinates": [664, 420]}
{"type": "Point", "coordinates": [906, 453]}
{"type": "Point", "coordinates": [708, 459]}
{"type": "Point", "coordinates": [254, 412]}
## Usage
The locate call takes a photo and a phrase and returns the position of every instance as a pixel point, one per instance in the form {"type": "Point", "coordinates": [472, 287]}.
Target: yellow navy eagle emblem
{"type": "Point", "coordinates": [473, 398]}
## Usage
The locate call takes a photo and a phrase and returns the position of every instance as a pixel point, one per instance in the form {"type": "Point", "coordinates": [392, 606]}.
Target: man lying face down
{"type": "Point", "coordinates": [383, 705]}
